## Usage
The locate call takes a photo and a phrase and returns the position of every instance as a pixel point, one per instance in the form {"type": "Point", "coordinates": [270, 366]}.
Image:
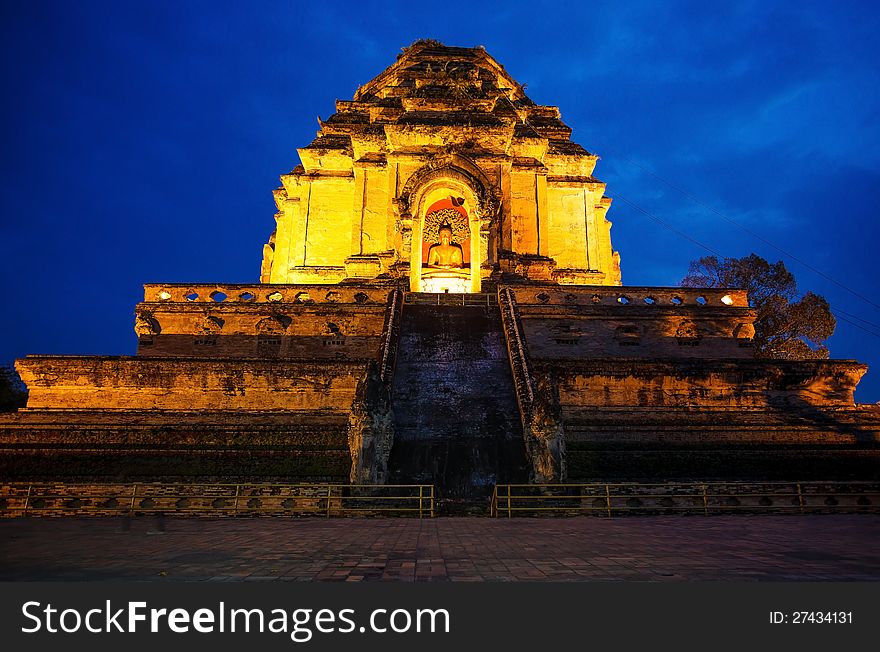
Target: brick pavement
{"type": "Point", "coordinates": [649, 548]}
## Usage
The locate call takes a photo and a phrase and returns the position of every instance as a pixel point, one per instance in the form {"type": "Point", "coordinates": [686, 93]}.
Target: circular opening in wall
{"type": "Point", "coordinates": [650, 301]}
{"type": "Point", "coordinates": [275, 297]}
{"type": "Point", "coordinates": [727, 300]}
{"type": "Point", "coordinates": [191, 296]}
{"type": "Point", "coordinates": [596, 298]}
{"type": "Point", "coordinates": [164, 295]}
{"type": "Point", "coordinates": [676, 301]}
{"type": "Point", "coordinates": [623, 300]}
{"type": "Point", "coordinates": [701, 300]}
{"type": "Point", "coordinates": [218, 296]}
{"type": "Point", "coordinates": [247, 296]}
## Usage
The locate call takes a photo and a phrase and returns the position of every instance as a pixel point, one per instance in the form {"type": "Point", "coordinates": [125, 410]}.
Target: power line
{"type": "Point", "coordinates": [665, 224]}
{"type": "Point", "coordinates": [836, 311]}
{"type": "Point", "coordinates": [852, 323]}
{"type": "Point", "coordinates": [712, 209]}
{"type": "Point", "coordinates": [864, 321]}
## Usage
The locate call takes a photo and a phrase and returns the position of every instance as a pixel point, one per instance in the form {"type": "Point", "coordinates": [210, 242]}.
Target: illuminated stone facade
{"type": "Point", "coordinates": [442, 129]}
{"type": "Point", "coordinates": [528, 361]}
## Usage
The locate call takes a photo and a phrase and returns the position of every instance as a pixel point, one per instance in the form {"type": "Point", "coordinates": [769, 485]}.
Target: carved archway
{"type": "Point", "coordinates": [445, 177]}
{"type": "Point", "coordinates": [453, 166]}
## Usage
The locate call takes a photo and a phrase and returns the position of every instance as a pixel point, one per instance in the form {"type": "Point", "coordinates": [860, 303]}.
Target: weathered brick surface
{"type": "Point", "coordinates": [705, 382]}
{"type": "Point", "coordinates": [576, 323]}
{"type": "Point", "coordinates": [457, 424]}
{"type": "Point", "coordinates": [311, 446]}
{"type": "Point", "coordinates": [305, 322]}
{"type": "Point", "coordinates": [184, 383]}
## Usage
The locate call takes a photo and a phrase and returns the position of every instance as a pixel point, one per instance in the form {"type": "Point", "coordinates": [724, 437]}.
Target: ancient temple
{"type": "Point", "coordinates": [443, 135]}
{"type": "Point", "coordinates": [440, 302]}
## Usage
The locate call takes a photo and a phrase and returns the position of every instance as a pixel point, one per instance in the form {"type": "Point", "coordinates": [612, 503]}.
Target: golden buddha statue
{"type": "Point", "coordinates": [445, 253]}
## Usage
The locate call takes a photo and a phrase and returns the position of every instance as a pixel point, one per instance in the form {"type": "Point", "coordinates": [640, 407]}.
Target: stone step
{"type": "Point", "coordinates": [457, 424]}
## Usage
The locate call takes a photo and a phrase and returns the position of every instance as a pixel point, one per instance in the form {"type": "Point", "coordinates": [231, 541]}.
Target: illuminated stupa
{"type": "Point", "coordinates": [440, 303]}
{"type": "Point", "coordinates": [442, 134]}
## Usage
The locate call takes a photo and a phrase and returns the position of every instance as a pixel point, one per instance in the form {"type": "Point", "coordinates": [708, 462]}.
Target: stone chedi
{"type": "Point", "coordinates": [443, 135]}
{"type": "Point", "coordinates": [440, 303]}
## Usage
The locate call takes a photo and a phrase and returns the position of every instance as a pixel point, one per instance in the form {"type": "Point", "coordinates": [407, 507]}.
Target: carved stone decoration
{"type": "Point", "coordinates": [370, 429]}
{"type": "Point", "coordinates": [273, 325]}
{"type": "Point", "coordinates": [484, 242]}
{"type": "Point", "coordinates": [268, 259]}
{"type": "Point", "coordinates": [405, 226]}
{"type": "Point", "coordinates": [744, 331]}
{"type": "Point", "coordinates": [687, 330]}
{"type": "Point", "coordinates": [538, 400]}
{"type": "Point", "coordinates": [453, 167]}
{"type": "Point", "coordinates": [460, 229]}
{"type": "Point", "coordinates": [146, 324]}
{"type": "Point", "coordinates": [544, 434]}
{"type": "Point", "coordinates": [212, 324]}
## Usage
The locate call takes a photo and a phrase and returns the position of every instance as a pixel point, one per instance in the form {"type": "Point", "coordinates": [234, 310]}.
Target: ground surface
{"type": "Point", "coordinates": [655, 548]}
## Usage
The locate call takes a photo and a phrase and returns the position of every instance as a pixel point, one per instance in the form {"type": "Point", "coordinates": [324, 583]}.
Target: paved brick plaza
{"type": "Point", "coordinates": [661, 548]}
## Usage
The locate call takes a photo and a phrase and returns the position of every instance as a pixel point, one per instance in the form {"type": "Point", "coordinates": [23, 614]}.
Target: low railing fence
{"type": "Point", "coordinates": [610, 499]}
{"type": "Point", "coordinates": [215, 500]}
{"type": "Point", "coordinates": [449, 299]}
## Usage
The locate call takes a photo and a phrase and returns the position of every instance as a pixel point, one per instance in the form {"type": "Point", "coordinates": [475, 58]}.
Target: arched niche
{"type": "Point", "coordinates": [432, 186]}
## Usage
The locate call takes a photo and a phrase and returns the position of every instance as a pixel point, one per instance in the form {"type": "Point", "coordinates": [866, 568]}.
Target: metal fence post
{"type": "Point", "coordinates": [329, 489]}
{"type": "Point", "coordinates": [608, 500]}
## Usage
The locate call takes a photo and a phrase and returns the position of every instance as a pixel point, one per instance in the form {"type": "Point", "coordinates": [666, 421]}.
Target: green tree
{"type": "Point", "coordinates": [13, 393]}
{"type": "Point", "coordinates": [786, 326]}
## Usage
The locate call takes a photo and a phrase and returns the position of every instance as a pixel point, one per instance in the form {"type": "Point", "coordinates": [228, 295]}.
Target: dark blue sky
{"type": "Point", "coordinates": [141, 141]}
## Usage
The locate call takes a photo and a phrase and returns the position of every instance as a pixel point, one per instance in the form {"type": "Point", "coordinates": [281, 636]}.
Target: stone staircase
{"type": "Point", "coordinates": [457, 424]}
